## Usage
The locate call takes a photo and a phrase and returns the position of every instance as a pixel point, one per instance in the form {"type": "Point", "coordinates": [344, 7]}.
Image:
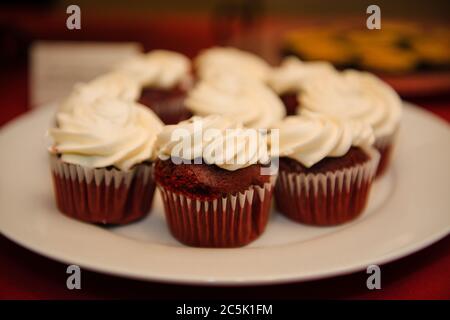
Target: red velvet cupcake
{"type": "Point", "coordinates": [165, 77]}
{"type": "Point", "coordinates": [359, 96]}
{"type": "Point", "coordinates": [101, 161]}
{"type": "Point", "coordinates": [211, 201]}
{"type": "Point", "coordinates": [326, 170]}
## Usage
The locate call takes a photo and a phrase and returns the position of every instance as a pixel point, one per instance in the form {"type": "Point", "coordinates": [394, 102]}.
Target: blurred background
{"type": "Point", "coordinates": [411, 51]}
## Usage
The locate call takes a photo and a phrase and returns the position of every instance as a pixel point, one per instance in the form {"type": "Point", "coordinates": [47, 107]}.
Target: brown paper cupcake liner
{"type": "Point", "coordinates": [106, 196]}
{"type": "Point", "coordinates": [231, 221]}
{"type": "Point", "coordinates": [326, 199]}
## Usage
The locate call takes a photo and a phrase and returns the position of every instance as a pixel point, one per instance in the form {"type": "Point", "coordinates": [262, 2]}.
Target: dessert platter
{"type": "Point", "coordinates": [226, 170]}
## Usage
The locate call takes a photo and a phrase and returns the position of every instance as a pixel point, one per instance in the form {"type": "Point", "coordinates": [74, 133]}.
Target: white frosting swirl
{"type": "Point", "coordinates": [356, 95]}
{"type": "Point", "coordinates": [113, 85]}
{"type": "Point", "coordinates": [160, 69]}
{"type": "Point", "coordinates": [293, 74]}
{"type": "Point", "coordinates": [310, 137]}
{"type": "Point", "coordinates": [108, 132]}
{"type": "Point", "coordinates": [217, 60]}
{"type": "Point", "coordinates": [245, 100]}
{"type": "Point", "coordinates": [215, 139]}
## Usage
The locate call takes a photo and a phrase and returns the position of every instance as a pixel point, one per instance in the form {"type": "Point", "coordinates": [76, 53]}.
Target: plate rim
{"type": "Point", "coordinates": [396, 255]}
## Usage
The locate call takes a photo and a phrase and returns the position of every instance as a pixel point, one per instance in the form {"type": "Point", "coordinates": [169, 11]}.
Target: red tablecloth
{"type": "Point", "coordinates": [26, 275]}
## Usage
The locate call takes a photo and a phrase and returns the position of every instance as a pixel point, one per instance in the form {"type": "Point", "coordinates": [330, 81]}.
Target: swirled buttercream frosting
{"type": "Point", "coordinates": [356, 95]}
{"type": "Point", "coordinates": [112, 85]}
{"type": "Point", "coordinates": [293, 74]}
{"type": "Point", "coordinates": [107, 132]}
{"type": "Point", "coordinates": [310, 137]}
{"type": "Point", "coordinates": [217, 60]}
{"type": "Point", "coordinates": [214, 139]}
{"type": "Point", "coordinates": [247, 101]}
{"type": "Point", "coordinates": [160, 69]}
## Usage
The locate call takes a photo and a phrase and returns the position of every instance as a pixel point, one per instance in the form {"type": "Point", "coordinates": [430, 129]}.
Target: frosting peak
{"type": "Point", "coordinates": [218, 60]}
{"type": "Point", "coordinates": [108, 132]}
{"type": "Point", "coordinates": [293, 74]}
{"type": "Point", "coordinates": [158, 68]}
{"type": "Point", "coordinates": [245, 100]}
{"type": "Point", "coordinates": [113, 85]}
{"type": "Point", "coordinates": [310, 137]}
{"type": "Point", "coordinates": [215, 139]}
{"type": "Point", "coordinates": [356, 95]}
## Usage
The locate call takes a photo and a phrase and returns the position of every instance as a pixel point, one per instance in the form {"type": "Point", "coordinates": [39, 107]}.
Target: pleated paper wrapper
{"type": "Point", "coordinates": [326, 199]}
{"type": "Point", "coordinates": [105, 196]}
{"type": "Point", "coordinates": [231, 221]}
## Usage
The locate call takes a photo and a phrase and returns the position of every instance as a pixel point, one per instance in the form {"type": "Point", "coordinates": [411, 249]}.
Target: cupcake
{"type": "Point", "coordinates": [164, 77]}
{"type": "Point", "coordinates": [360, 96]}
{"type": "Point", "coordinates": [291, 76]}
{"type": "Point", "coordinates": [101, 161]}
{"type": "Point", "coordinates": [326, 168]}
{"type": "Point", "coordinates": [234, 97]}
{"type": "Point", "coordinates": [214, 181]}
{"type": "Point", "coordinates": [224, 60]}
{"type": "Point", "coordinates": [113, 84]}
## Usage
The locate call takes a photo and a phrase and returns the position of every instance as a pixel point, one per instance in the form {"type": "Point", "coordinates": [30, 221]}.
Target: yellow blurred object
{"type": "Point", "coordinates": [372, 37]}
{"type": "Point", "coordinates": [407, 29]}
{"type": "Point", "coordinates": [325, 49]}
{"type": "Point", "coordinates": [387, 59]}
{"type": "Point", "coordinates": [397, 48]}
{"type": "Point", "coordinates": [298, 36]}
{"type": "Point", "coordinates": [433, 50]}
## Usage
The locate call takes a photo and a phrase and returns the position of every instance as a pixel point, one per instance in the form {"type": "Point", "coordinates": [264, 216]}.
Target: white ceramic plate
{"type": "Point", "coordinates": [409, 209]}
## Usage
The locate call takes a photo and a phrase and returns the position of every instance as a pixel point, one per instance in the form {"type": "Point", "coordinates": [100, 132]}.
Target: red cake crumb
{"type": "Point", "coordinates": [353, 157]}
{"type": "Point", "coordinates": [207, 181]}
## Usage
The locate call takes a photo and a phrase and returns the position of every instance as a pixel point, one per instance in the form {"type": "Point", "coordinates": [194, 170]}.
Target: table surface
{"type": "Point", "coordinates": [26, 275]}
